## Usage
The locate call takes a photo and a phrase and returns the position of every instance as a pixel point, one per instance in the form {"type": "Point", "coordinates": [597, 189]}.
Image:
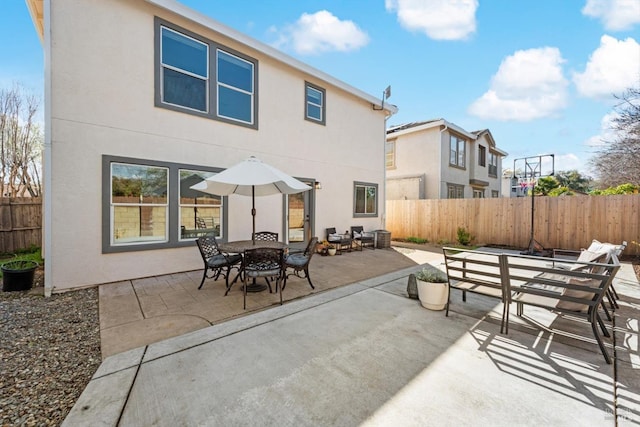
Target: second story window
{"type": "Point", "coordinates": [185, 70]}
{"type": "Point", "coordinates": [390, 154]}
{"type": "Point", "coordinates": [314, 103]}
{"type": "Point", "coordinates": [235, 87]}
{"type": "Point", "coordinates": [457, 152]}
{"type": "Point", "coordinates": [482, 155]}
{"type": "Point", "coordinates": [493, 164]}
{"type": "Point", "coordinates": [198, 76]}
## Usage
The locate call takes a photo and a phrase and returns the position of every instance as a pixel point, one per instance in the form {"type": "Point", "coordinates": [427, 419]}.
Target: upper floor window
{"type": "Point", "coordinates": [235, 87]}
{"type": "Point", "coordinates": [314, 103]}
{"type": "Point", "coordinates": [482, 155]}
{"type": "Point", "coordinates": [198, 76]}
{"type": "Point", "coordinates": [365, 199]}
{"type": "Point", "coordinates": [390, 154]}
{"type": "Point", "coordinates": [185, 70]}
{"type": "Point", "coordinates": [457, 152]}
{"type": "Point", "coordinates": [493, 164]}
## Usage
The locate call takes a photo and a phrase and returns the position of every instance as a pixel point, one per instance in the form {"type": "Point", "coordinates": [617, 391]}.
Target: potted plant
{"type": "Point", "coordinates": [433, 288]}
{"type": "Point", "coordinates": [17, 275]}
{"type": "Point", "coordinates": [325, 248]}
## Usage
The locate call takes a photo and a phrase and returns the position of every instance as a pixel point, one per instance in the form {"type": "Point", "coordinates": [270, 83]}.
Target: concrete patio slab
{"type": "Point", "coordinates": [364, 354]}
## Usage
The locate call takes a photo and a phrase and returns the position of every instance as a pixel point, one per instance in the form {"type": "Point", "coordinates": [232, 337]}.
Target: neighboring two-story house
{"type": "Point", "coordinates": [145, 97]}
{"type": "Point", "coordinates": [436, 159]}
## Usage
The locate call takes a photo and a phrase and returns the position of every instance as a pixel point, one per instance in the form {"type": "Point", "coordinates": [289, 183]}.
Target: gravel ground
{"type": "Point", "coordinates": [49, 350]}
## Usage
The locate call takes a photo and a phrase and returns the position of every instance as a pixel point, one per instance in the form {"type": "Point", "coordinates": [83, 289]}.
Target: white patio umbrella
{"type": "Point", "coordinates": [253, 178]}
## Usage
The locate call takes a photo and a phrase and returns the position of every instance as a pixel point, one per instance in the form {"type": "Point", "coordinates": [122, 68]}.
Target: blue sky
{"type": "Point", "coordinates": [539, 74]}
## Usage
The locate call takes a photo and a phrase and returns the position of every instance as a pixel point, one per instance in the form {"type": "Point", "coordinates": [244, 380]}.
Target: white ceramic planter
{"type": "Point", "coordinates": [331, 251]}
{"type": "Point", "coordinates": [433, 295]}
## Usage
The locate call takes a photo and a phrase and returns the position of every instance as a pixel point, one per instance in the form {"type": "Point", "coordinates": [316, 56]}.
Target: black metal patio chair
{"type": "Point", "coordinates": [263, 262]}
{"type": "Point", "coordinates": [342, 242]}
{"type": "Point", "coordinates": [299, 263]}
{"type": "Point", "coordinates": [361, 238]}
{"type": "Point", "coordinates": [215, 260]}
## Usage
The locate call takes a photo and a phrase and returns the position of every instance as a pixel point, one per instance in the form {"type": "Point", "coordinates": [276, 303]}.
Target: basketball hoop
{"type": "Point", "coordinates": [527, 183]}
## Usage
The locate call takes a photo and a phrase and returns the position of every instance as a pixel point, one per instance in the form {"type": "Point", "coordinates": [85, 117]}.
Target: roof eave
{"type": "Point", "coordinates": [198, 18]}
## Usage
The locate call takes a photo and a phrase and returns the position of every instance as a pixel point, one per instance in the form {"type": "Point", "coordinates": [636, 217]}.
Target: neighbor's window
{"type": "Point", "coordinates": [495, 193]}
{"type": "Point", "coordinates": [200, 213]}
{"type": "Point", "coordinates": [482, 155]}
{"type": "Point", "coordinates": [478, 194]}
{"type": "Point", "coordinates": [457, 152]}
{"type": "Point", "coordinates": [139, 203]}
{"type": "Point", "coordinates": [390, 154]}
{"type": "Point", "coordinates": [455, 191]}
{"type": "Point", "coordinates": [365, 199]}
{"type": "Point", "coordinates": [235, 87]}
{"type": "Point", "coordinates": [493, 164]}
{"type": "Point", "coordinates": [314, 103]}
{"type": "Point", "coordinates": [184, 71]}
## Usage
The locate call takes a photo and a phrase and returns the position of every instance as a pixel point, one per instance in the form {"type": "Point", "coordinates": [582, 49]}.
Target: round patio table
{"type": "Point", "coordinates": [239, 246]}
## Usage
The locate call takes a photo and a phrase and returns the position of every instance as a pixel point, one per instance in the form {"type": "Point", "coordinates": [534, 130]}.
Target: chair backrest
{"type": "Point", "coordinates": [329, 231]}
{"type": "Point", "coordinates": [208, 246]}
{"type": "Point", "coordinates": [263, 259]}
{"type": "Point", "coordinates": [311, 247]}
{"type": "Point", "coordinates": [356, 229]}
{"type": "Point", "coordinates": [265, 236]}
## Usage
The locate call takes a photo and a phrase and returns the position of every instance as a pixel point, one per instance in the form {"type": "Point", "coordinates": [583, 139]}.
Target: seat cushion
{"type": "Point", "coordinates": [262, 273]}
{"type": "Point", "coordinates": [219, 260]}
{"type": "Point", "coordinates": [297, 260]}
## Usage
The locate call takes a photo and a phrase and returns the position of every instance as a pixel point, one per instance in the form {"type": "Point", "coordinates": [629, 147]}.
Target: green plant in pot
{"type": "Point", "coordinates": [17, 275]}
{"type": "Point", "coordinates": [433, 288]}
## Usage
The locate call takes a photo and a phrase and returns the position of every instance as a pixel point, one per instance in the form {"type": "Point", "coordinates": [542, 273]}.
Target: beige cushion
{"type": "Point", "coordinates": [589, 256]}
{"type": "Point", "coordinates": [574, 306]}
{"type": "Point", "coordinates": [608, 248]}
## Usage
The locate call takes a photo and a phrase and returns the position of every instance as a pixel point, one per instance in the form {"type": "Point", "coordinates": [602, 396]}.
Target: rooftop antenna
{"type": "Point", "coordinates": [385, 95]}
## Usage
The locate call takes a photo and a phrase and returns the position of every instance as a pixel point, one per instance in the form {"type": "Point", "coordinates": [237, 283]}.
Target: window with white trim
{"type": "Point", "coordinates": [365, 199]}
{"type": "Point", "coordinates": [390, 154]}
{"type": "Point", "coordinates": [493, 164]}
{"type": "Point", "coordinates": [457, 152]}
{"type": "Point", "coordinates": [198, 76]}
{"type": "Point", "coordinates": [200, 213]}
{"type": "Point", "coordinates": [139, 204]}
{"type": "Point", "coordinates": [455, 191]}
{"type": "Point", "coordinates": [314, 103]}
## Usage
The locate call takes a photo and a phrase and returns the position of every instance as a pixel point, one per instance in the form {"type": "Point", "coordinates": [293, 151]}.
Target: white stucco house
{"type": "Point", "coordinates": [436, 159]}
{"type": "Point", "coordinates": [144, 97]}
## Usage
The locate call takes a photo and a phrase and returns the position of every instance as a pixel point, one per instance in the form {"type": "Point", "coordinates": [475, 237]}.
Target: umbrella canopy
{"type": "Point", "coordinates": [251, 177]}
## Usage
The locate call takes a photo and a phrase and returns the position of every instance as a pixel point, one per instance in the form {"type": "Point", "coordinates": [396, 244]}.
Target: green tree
{"type": "Point", "coordinates": [620, 189]}
{"type": "Point", "coordinates": [545, 184]}
{"type": "Point", "coordinates": [574, 180]}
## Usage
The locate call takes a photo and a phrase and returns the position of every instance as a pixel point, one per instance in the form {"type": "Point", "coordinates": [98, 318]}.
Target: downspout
{"type": "Point", "coordinates": [446, 127]}
{"type": "Point", "coordinates": [47, 252]}
{"type": "Point", "coordinates": [383, 217]}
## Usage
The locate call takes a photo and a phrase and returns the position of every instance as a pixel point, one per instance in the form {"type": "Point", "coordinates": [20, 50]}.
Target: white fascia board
{"type": "Point", "coordinates": [198, 18]}
{"type": "Point", "coordinates": [435, 123]}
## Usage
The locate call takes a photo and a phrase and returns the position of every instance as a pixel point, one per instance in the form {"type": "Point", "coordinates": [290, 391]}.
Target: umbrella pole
{"type": "Point", "coordinates": [253, 212]}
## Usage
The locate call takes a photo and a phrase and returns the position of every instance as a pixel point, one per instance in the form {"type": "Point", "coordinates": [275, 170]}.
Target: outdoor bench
{"type": "Point", "coordinates": [534, 281]}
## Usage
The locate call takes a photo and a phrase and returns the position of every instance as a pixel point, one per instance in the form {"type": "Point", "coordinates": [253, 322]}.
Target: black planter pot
{"type": "Point", "coordinates": [18, 275]}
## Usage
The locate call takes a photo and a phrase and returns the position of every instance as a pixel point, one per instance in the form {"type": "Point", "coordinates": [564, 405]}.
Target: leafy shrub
{"type": "Point", "coordinates": [417, 240]}
{"type": "Point", "coordinates": [464, 237]}
{"type": "Point", "coordinates": [431, 275]}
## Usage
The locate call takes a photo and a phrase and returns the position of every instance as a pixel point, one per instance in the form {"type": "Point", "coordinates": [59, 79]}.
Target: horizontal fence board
{"type": "Point", "coordinates": [559, 222]}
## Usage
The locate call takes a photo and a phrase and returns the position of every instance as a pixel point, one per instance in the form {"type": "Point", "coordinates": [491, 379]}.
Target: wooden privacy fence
{"type": "Point", "coordinates": [20, 223]}
{"type": "Point", "coordinates": [559, 222]}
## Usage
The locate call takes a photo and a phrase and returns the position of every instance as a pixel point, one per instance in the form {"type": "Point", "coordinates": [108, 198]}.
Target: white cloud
{"type": "Point", "coordinates": [616, 15]}
{"type": "Point", "coordinates": [567, 162]}
{"type": "Point", "coordinates": [528, 85]}
{"type": "Point", "coordinates": [606, 132]}
{"type": "Point", "coordinates": [438, 19]}
{"type": "Point", "coordinates": [321, 32]}
{"type": "Point", "coordinates": [613, 67]}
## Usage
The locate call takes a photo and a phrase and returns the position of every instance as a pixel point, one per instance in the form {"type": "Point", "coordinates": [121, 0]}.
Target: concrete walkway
{"type": "Point", "coordinates": [364, 354]}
